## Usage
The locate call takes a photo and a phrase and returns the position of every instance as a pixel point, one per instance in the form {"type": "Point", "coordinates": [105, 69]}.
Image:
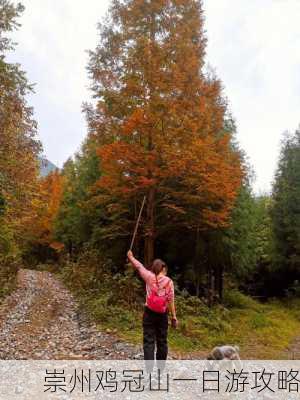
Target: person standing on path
{"type": "Point", "coordinates": [159, 302]}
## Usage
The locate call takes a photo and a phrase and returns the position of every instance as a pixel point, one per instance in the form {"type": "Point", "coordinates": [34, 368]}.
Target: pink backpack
{"type": "Point", "coordinates": [156, 302]}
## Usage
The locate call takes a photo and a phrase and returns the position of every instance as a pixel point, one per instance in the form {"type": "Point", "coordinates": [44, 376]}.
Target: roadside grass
{"type": "Point", "coordinates": [8, 274]}
{"type": "Point", "coordinates": [261, 330]}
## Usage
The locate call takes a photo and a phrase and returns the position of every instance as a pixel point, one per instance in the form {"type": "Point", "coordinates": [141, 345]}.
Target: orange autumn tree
{"type": "Point", "coordinates": [19, 146]}
{"type": "Point", "coordinates": [160, 121]}
{"type": "Point", "coordinates": [40, 228]}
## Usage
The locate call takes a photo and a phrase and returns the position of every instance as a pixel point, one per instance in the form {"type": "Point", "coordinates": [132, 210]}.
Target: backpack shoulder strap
{"type": "Point", "coordinates": [167, 284]}
{"type": "Point", "coordinates": [153, 288]}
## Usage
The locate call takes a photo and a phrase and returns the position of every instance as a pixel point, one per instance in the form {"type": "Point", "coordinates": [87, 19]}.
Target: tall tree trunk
{"type": "Point", "coordinates": [219, 279]}
{"type": "Point", "coordinates": [150, 228]}
{"type": "Point", "coordinates": [197, 265]}
{"type": "Point", "coordinates": [198, 285]}
{"type": "Point", "coordinates": [150, 220]}
{"type": "Point", "coordinates": [221, 286]}
{"type": "Point", "coordinates": [210, 272]}
{"type": "Point", "coordinates": [218, 274]}
{"type": "Point", "coordinates": [210, 285]}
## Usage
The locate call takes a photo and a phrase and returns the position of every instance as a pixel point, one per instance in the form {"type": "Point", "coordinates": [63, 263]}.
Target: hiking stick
{"type": "Point", "coordinates": [137, 223]}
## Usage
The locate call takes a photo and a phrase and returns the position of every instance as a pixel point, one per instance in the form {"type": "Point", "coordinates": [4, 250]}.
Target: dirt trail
{"type": "Point", "coordinates": [41, 320]}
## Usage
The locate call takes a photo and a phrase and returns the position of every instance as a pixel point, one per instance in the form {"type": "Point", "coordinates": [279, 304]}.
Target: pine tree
{"type": "Point", "coordinates": [286, 206]}
{"type": "Point", "coordinates": [77, 218]}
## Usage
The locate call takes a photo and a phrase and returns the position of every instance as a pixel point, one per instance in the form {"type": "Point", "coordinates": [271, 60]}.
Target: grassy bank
{"type": "Point", "coordinates": [263, 331]}
{"type": "Point", "coordinates": [8, 275]}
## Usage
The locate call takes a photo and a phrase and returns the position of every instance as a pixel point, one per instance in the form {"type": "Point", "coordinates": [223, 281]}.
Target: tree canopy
{"type": "Point", "coordinates": [160, 122]}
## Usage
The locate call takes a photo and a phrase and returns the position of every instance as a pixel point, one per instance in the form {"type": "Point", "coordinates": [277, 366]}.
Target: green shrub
{"type": "Point", "coordinates": [191, 305]}
{"type": "Point", "coordinates": [235, 299]}
{"type": "Point", "coordinates": [8, 275]}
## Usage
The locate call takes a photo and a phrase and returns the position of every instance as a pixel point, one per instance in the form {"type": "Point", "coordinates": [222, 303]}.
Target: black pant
{"type": "Point", "coordinates": [155, 331]}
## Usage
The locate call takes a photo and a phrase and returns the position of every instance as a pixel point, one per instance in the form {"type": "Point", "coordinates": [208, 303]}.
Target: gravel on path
{"type": "Point", "coordinates": [41, 320]}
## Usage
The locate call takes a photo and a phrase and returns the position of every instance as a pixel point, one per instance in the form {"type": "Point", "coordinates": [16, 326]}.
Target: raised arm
{"type": "Point", "coordinates": [144, 273]}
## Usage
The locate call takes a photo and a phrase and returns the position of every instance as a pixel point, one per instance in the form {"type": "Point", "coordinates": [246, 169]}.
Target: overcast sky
{"type": "Point", "coordinates": [253, 46]}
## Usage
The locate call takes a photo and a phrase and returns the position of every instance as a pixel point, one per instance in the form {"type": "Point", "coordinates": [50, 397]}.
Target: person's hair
{"type": "Point", "coordinates": [157, 266]}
